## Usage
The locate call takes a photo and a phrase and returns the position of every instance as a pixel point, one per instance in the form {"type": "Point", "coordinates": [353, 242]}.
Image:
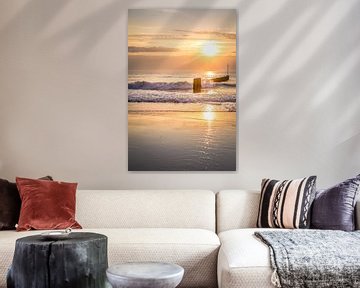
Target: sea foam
{"type": "Point", "coordinates": [173, 86]}
{"type": "Point", "coordinates": [163, 86]}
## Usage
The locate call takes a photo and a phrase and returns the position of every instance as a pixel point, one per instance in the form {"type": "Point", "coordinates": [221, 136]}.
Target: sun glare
{"type": "Point", "coordinates": [210, 74]}
{"type": "Point", "coordinates": [209, 114]}
{"type": "Point", "coordinates": [210, 48]}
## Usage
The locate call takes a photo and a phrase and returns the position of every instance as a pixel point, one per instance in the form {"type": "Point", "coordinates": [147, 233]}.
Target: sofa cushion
{"type": "Point", "coordinates": [153, 209]}
{"type": "Point", "coordinates": [286, 204]}
{"type": "Point", "coordinates": [244, 261]}
{"type": "Point", "coordinates": [46, 204]}
{"type": "Point", "coordinates": [334, 208]}
{"type": "Point", "coordinates": [236, 209]}
{"type": "Point", "coordinates": [10, 204]}
{"type": "Point", "coordinates": [194, 249]}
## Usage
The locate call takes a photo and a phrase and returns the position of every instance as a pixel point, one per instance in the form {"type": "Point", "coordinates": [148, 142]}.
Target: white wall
{"type": "Point", "coordinates": [63, 92]}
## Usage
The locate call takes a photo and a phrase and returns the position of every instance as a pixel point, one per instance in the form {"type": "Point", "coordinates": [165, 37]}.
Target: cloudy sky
{"type": "Point", "coordinates": [181, 39]}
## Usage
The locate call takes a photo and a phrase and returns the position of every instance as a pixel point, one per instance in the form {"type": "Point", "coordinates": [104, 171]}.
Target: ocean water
{"type": "Point", "coordinates": [172, 88]}
{"type": "Point", "coordinates": [170, 128]}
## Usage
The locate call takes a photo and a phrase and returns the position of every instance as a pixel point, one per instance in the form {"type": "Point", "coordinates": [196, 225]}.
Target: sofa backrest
{"type": "Point", "coordinates": [239, 209]}
{"type": "Point", "coordinates": [236, 209]}
{"type": "Point", "coordinates": [146, 209]}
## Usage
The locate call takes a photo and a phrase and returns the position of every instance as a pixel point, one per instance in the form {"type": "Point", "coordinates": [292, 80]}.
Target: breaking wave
{"type": "Point", "coordinates": [171, 86]}
{"type": "Point", "coordinates": [144, 85]}
{"type": "Point", "coordinates": [185, 97]}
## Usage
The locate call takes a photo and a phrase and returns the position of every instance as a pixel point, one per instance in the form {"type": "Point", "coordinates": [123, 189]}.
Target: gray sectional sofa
{"type": "Point", "coordinates": [210, 235]}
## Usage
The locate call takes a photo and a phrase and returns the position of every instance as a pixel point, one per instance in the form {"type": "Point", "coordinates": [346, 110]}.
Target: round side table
{"type": "Point", "coordinates": [78, 261]}
{"type": "Point", "coordinates": [145, 275]}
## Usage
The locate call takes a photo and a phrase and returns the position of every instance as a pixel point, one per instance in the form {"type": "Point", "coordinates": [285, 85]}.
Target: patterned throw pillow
{"type": "Point", "coordinates": [286, 204]}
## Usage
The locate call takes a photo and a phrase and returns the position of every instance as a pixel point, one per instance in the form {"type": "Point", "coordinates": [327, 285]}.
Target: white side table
{"type": "Point", "coordinates": [145, 275]}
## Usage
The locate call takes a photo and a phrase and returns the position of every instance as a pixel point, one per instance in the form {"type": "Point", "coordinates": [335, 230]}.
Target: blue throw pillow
{"type": "Point", "coordinates": [334, 208]}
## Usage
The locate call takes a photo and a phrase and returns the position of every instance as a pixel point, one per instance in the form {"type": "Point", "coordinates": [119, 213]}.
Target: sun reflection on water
{"type": "Point", "coordinates": [209, 114]}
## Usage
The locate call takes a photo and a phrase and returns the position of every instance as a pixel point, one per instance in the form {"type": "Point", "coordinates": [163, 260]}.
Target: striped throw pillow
{"type": "Point", "coordinates": [286, 204]}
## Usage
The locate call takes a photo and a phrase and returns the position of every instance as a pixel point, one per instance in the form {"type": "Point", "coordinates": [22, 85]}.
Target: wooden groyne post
{"type": "Point", "coordinates": [197, 85]}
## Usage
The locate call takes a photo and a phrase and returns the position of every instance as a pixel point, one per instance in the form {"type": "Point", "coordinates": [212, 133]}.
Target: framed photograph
{"type": "Point", "coordinates": [182, 90]}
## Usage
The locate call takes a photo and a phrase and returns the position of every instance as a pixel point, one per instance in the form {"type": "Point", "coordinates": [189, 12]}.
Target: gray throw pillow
{"type": "Point", "coordinates": [334, 208]}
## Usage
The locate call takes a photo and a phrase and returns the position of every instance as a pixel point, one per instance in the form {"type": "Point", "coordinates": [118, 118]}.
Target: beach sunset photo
{"type": "Point", "coordinates": [181, 90]}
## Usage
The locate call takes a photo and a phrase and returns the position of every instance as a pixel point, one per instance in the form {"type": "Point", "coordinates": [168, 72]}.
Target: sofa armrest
{"type": "Point", "coordinates": [357, 215]}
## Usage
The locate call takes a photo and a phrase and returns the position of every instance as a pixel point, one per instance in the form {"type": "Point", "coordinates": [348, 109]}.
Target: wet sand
{"type": "Point", "coordinates": [181, 141]}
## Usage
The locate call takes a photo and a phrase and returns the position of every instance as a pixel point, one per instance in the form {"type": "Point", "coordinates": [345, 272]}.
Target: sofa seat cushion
{"type": "Point", "coordinates": [244, 261]}
{"type": "Point", "coordinates": [194, 249]}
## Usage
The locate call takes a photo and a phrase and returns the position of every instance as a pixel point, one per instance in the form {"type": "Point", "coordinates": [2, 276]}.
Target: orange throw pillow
{"type": "Point", "coordinates": [46, 204]}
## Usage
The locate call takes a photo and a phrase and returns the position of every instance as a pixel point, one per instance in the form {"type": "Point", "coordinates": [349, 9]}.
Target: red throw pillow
{"type": "Point", "coordinates": [10, 204]}
{"type": "Point", "coordinates": [46, 204]}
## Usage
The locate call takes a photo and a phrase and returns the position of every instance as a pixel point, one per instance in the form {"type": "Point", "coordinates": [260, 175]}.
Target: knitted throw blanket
{"type": "Point", "coordinates": [313, 258]}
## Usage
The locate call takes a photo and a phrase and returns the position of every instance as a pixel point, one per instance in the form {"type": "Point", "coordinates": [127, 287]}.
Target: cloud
{"type": "Point", "coordinates": [226, 35]}
{"type": "Point", "coordinates": [183, 35]}
{"type": "Point", "coordinates": [158, 36]}
{"type": "Point", "coordinates": [136, 49]}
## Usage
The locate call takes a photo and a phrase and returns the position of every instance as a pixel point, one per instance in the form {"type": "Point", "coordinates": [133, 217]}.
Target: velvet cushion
{"type": "Point", "coordinates": [334, 208]}
{"type": "Point", "coordinates": [10, 204]}
{"type": "Point", "coordinates": [46, 204]}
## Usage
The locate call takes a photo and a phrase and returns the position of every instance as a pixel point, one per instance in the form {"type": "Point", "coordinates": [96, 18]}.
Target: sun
{"type": "Point", "coordinates": [210, 48]}
{"type": "Point", "coordinates": [210, 74]}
